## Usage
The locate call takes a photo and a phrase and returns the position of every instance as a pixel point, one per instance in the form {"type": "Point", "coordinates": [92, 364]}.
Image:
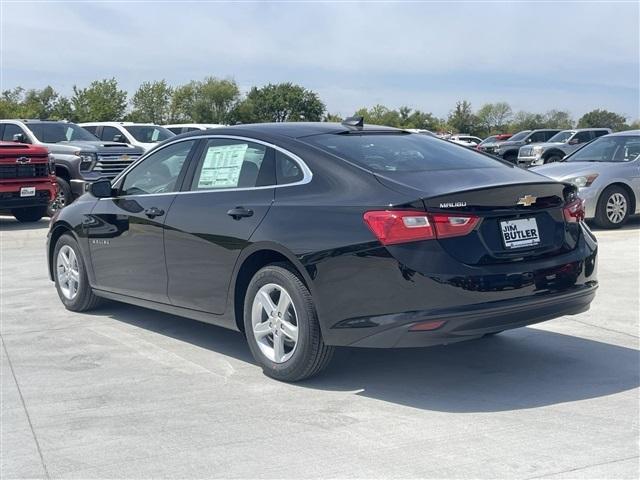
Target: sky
{"type": "Point", "coordinates": [537, 56]}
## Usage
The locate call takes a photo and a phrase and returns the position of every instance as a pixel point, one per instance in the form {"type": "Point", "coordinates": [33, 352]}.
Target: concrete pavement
{"type": "Point", "coordinates": [125, 392]}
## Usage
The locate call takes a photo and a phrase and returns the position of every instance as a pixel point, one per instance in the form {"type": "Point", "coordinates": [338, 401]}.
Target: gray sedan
{"type": "Point", "coordinates": [607, 173]}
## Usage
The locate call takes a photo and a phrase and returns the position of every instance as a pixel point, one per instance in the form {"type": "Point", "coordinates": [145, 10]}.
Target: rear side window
{"type": "Point", "coordinates": [401, 152]}
{"type": "Point", "coordinates": [227, 163]}
{"type": "Point", "coordinates": [90, 128]}
{"type": "Point", "coordinates": [287, 170]}
{"type": "Point", "coordinates": [537, 137]}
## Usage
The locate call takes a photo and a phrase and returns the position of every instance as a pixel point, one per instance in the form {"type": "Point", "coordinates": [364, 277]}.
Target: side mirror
{"type": "Point", "coordinates": [119, 138]}
{"type": "Point", "coordinates": [573, 141]}
{"type": "Point", "coordinates": [101, 189]}
{"type": "Point", "coordinates": [19, 137]}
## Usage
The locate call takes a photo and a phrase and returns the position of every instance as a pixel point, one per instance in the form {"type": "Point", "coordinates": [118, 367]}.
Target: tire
{"type": "Point", "coordinates": [511, 157]}
{"type": "Point", "coordinates": [294, 361]}
{"type": "Point", "coordinates": [29, 214]}
{"type": "Point", "coordinates": [64, 197]}
{"type": "Point", "coordinates": [552, 159]}
{"type": "Point", "coordinates": [613, 207]}
{"type": "Point", "coordinates": [83, 299]}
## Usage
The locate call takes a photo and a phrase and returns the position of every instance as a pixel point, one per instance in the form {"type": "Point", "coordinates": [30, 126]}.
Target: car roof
{"type": "Point", "coordinates": [119, 123]}
{"type": "Point", "coordinates": [626, 133]}
{"type": "Point", "coordinates": [293, 129]}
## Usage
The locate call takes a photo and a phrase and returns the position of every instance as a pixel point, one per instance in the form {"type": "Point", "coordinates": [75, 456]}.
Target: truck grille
{"type": "Point", "coordinates": [110, 165]}
{"type": "Point", "coordinates": [24, 171]}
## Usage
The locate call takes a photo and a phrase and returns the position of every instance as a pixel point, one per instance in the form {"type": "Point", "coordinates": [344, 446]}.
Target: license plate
{"type": "Point", "coordinates": [520, 233]}
{"type": "Point", "coordinates": [28, 192]}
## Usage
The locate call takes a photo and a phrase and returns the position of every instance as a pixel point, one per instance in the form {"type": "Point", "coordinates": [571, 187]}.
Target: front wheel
{"type": "Point", "coordinates": [552, 159]}
{"type": "Point", "coordinates": [70, 275]}
{"type": "Point", "coordinates": [612, 210]}
{"type": "Point", "coordinates": [29, 214]}
{"type": "Point", "coordinates": [281, 326]}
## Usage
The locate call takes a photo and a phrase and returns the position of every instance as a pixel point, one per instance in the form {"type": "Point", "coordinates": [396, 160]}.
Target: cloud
{"type": "Point", "coordinates": [427, 55]}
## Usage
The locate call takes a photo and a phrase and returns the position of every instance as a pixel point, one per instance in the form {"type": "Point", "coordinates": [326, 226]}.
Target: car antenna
{"type": "Point", "coordinates": [355, 121]}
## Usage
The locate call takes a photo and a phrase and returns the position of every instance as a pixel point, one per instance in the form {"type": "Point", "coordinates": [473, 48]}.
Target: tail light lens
{"type": "Point", "coordinates": [574, 211]}
{"type": "Point", "coordinates": [402, 226]}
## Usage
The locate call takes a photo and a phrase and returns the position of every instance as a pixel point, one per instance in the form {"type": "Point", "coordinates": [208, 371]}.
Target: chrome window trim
{"type": "Point", "coordinates": [307, 174]}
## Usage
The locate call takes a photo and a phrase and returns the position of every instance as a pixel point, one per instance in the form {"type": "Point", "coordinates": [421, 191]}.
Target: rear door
{"type": "Point", "coordinates": [228, 190]}
{"type": "Point", "coordinates": [126, 232]}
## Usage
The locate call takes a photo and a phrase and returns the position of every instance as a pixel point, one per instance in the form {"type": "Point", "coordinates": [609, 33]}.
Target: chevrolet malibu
{"type": "Point", "coordinates": [310, 236]}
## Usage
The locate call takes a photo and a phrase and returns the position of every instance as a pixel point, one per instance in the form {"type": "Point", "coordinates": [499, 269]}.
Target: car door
{"type": "Point", "coordinates": [126, 232]}
{"type": "Point", "coordinates": [228, 190]}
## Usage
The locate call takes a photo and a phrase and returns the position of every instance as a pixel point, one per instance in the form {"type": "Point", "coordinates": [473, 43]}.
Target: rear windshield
{"type": "Point", "coordinates": [401, 152]}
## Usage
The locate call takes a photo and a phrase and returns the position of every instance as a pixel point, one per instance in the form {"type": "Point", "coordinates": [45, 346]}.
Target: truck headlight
{"type": "Point", "coordinates": [583, 180]}
{"type": "Point", "coordinates": [87, 160]}
{"type": "Point", "coordinates": [537, 151]}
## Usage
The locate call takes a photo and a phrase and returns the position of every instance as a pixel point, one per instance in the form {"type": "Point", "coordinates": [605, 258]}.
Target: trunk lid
{"type": "Point", "coordinates": [506, 201]}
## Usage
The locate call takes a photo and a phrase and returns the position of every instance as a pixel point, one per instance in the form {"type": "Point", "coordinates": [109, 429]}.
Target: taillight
{"type": "Point", "coordinates": [402, 226]}
{"type": "Point", "coordinates": [574, 211]}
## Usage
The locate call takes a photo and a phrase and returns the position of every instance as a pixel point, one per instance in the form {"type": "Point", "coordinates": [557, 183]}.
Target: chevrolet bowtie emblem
{"type": "Point", "coordinates": [527, 200]}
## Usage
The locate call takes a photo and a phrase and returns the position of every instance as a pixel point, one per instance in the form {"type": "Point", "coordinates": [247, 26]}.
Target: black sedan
{"type": "Point", "coordinates": [309, 236]}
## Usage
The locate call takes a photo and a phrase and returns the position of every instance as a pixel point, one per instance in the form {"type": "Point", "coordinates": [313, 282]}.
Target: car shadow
{"type": "Point", "coordinates": [633, 223]}
{"type": "Point", "coordinates": [8, 224]}
{"type": "Point", "coordinates": [519, 369]}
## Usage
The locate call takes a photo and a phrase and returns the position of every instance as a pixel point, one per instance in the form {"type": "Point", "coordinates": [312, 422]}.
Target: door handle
{"type": "Point", "coordinates": [239, 212]}
{"type": "Point", "coordinates": [153, 212]}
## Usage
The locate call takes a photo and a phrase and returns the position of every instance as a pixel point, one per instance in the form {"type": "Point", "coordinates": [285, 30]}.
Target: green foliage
{"type": "Point", "coordinates": [282, 102]}
{"type": "Point", "coordinates": [492, 118]}
{"type": "Point", "coordinates": [331, 117]}
{"type": "Point", "coordinates": [602, 118]}
{"type": "Point", "coordinates": [101, 101]}
{"type": "Point", "coordinates": [41, 104]}
{"type": "Point", "coordinates": [404, 117]}
{"type": "Point", "coordinates": [209, 101]}
{"type": "Point", "coordinates": [151, 103]}
{"type": "Point", "coordinates": [461, 118]}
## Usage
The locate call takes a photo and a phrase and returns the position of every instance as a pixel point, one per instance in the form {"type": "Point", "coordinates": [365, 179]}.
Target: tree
{"type": "Point", "coordinates": [558, 119]}
{"type": "Point", "coordinates": [493, 118]}
{"type": "Point", "coordinates": [10, 103]}
{"type": "Point", "coordinates": [151, 102]}
{"type": "Point", "coordinates": [283, 102]}
{"type": "Point", "coordinates": [101, 101]}
{"type": "Point", "coordinates": [332, 117]}
{"type": "Point", "coordinates": [461, 118]}
{"type": "Point", "coordinates": [209, 101]}
{"type": "Point", "coordinates": [527, 121]}
{"type": "Point", "coordinates": [602, 118]}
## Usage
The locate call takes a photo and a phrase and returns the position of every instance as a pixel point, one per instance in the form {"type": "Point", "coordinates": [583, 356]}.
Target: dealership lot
{"type": "Point", "coordinates": [127, 392]}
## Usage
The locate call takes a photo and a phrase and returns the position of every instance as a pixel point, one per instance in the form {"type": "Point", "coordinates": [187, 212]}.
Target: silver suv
{"type": "Point", "coordinates": [558, 146]}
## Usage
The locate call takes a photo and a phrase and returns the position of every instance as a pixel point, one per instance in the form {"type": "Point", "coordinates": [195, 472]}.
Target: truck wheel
{"type": "Point", "coordinates": [29, 214]}
{"type": "Point", "coordinates": [552, 159]}
{"type": "Point", "coordinates": [613, 207]}
{"type": "Point", "coordinates": [64, 197]}
{"type": "Point", "coordinates": [511, 157]}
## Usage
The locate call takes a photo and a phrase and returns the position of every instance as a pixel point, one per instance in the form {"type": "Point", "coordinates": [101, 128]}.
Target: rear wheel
{"type": "Point", "coordinates": [281, 326]}
{"type": "Point", "coordinates": [70, 275]}
{"type": "Point", "coordinates": [29, 214]}
{"type": "Point", "coordinates": [612, 210]}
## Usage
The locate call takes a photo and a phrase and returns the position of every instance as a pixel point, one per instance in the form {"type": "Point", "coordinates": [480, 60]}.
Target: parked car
{"type": "Point", "coordinates": [491, 141]}
{"type": "Point", "coordinates": [308, 236]}
{"type": "Point", "coordinates": [143, 135]}
{"type": "Point", "coordinates": [558, 146]}
{"type": "Point", "coordinates": [508, 149]}
{"type": "Point", "coordinates": [607, 173]}
{"type": "Point", "coordinates": [466, 140]}
{"type": "Point", "coordinates": [80, 158]}
{"type": "Point", "coordinates": [179, 128]}
{"type": "Point", "coordinates": [27, 181]}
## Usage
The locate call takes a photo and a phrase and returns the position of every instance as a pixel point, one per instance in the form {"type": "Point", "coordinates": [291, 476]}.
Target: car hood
{"type": "Point", "coordinates": [561, 170]}
{"type": "Point", "coordinates": [509, 143]}
{"type": "Point", "coordinates": [97, 146]}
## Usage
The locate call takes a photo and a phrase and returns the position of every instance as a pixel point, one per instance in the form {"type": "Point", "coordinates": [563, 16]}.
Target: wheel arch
{"type": "Point", "coordinates": [552, 152]}
{"type": "Point", "coordinates": [63, 172]}
{"type": "Point", "coordinates": [253, 259]}
{"type": "Point", "coordinates": [627, 188]}
{"type": "Point", "coordinates": [57, 231]}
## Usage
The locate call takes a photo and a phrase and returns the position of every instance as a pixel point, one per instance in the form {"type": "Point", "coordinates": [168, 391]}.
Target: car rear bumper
{"type": "Point", "coordinates": [477, 320]}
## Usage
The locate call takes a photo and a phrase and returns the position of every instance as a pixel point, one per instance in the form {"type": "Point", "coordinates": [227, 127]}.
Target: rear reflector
{"type": "Point", "coordinates": [426, 326]}
{"type": "Point", "coordinates": [574, 211]}
{"type": "Point", "coordinates": [401, 226]}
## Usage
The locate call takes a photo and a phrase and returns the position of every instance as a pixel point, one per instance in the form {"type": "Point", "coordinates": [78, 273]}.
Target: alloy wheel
{"type": "Point", "coordinates": [68, 272]}
{"type": "Point", "coordinates": [616, 208]}
{"type": "Point", "coordinates": [275, 323]}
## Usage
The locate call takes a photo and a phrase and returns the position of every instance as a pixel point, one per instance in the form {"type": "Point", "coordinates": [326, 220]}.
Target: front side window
{"type": "Point", "coordinates": [581, 137]}
{"type": "Point", "coordinates": [538, 137]}
{"type": "Point", "coordinates": [10, 130]}
{"type": "Point", "coordinates": [227, 163]}
{"type": "Point", "coordinates": [561, 137]}
{"type": "Point", "coordinates": [159, 172]}
{"type": "Point", "coordinates": [609, 149]}
{"type": "Point", "coordinates": [401, 152]}
{"type": "Point", "coordinates": [60, 132]}
{"type": "Point", "coordinates": [148, 133]}
{"type": "Point", "coordinates": [112, 134]}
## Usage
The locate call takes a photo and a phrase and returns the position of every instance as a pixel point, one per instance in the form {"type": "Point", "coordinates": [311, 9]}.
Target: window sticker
{"type": "Point", "coordinates": [222, 165]}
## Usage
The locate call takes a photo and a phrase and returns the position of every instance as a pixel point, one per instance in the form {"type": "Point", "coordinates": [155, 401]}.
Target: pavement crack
{"type": "Point", "coordinates": [547, 475]}
{"type": "Point", "coordinates": [24, 406]}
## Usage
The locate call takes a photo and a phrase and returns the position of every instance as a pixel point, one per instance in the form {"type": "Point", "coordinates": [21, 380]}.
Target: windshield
{"type": "Point", "coordinates": [401, 152]}
{"type": "Point", "coordinates": [624, 148]}
{"type": "Point", "coordinates": [60, 132]}
{"type": "Point", "coordinates": [148, 133]}
{"type": "Point", "coordinates": [561, 137]}
{"type": "Point", "coordinates": [520, 136]}
{"type": "Point", "coordinates": [488, 140]}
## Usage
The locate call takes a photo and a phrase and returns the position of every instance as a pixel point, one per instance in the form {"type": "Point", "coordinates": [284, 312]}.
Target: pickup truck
{"type": "Point", "coordinates": [558, 146]}
{"type": "Point", "coordinates": [80, 157]}
{"type": "Point", "coordinates": [27, 181]}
